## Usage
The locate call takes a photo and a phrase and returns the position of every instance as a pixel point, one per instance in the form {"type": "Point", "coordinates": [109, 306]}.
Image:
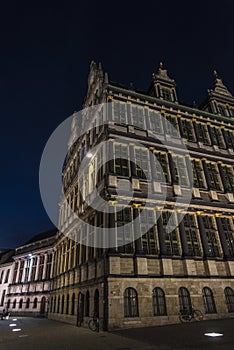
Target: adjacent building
{"type": "Point", "coordinates": [6, 264]}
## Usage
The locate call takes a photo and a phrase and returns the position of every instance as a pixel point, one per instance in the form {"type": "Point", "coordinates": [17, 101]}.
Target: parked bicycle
{"type": "Point", "coordinates": [94, 323]}
{"type": "Point", "coordinates": [187, 315]}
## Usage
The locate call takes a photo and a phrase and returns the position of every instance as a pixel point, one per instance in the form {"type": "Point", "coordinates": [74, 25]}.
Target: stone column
{"type": "Point", "coordinates": [24, 270]}
{"type": "Point", "coordinates": [37, 268]}
{"type": "Point", "coordinates": [52, 265]}
{"type": "Point", "coordinates": [206, 174]}
{"type": "Point", "coordinates": [203, 236]}
{"type": "Point", "coordinates": [45, 266]}
{"type": "Point", "coordinates": [183, 238]}
{"type": "Point", "coordinates": [17, 275]}
{"type": "Point", "coordinates": [161, 236]}
{"type": "Point", "coordinates": [172, 169]}
{"type": "Point", "coordinates": [222, 238]}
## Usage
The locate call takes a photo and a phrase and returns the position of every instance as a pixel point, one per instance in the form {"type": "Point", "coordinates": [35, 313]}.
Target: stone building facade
{"type": "Point", "coordinates": [6, 264]}
{"type": "Point", "coordinates": [147, 280]}
{"type": "Point", "coordinates": [29, 287]}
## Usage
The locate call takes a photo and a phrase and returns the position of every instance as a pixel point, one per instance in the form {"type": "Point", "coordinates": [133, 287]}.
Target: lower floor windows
{"type": "Point", "coordinates": [159, 302]}
{"type": "Point", "coordinates": [208, 299]}
{"type": "Point", "coordinates": [229, 295]}
{"type": "Point", "coordinates": [130, 303]}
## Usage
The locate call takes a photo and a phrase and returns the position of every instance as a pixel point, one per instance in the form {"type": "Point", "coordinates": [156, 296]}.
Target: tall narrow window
{"type": "Point", "coordinates": [159, 302]}
{"type": "Point", "coordinates": [124, 230]}
{"type": "Point", "coordinates": [214, 177]}
{"type": "Point", "coordinates": [67, 305]}
{"type": "Point", "coordinates": [1, 276]}
{"type": "Point", "coordinates": [138, 117]}
{"type": "Point", "coordinates": [149, 240]}
{"type": "Point", "coordinates": [155, 122]}
{"type": "Point", "coordinates": [198, 176]}
{"type": "Point", "coordinates": [48, 266]}
{"type": "Point", "coordinates": [73, 304]}
{"type": "Point", "coordinates": [119, 112]}
{"type": "Point", "coordinates": [181, 170]}
{"type": "Point", "coordinates": [87, 298]}
{"type": "Point", "coordinates": [21, 271]}
{"type": "Point", "coordinates": [15, 272]}
{"type": "Point", "coordinates": [208, 300]}
{"type": "Point", "coordinates": [20, 303]}
{"type": "Point", "coordinates": [171, 238]}
{"type": "Point", "coordinates": [203, 135]}
{"type": "Point", "coordinates": [162, 168]}
{"type": "Point", "coordinates": [142, 163]}
{"type": "Point", "coordinates": [14, 304]}
{"type": "Point", "coordinates": [26, 275]}
{"type": "Point", "coordinates": [130, 303]}
{"type": "Point", "coordinates": [27, 303]}
{"type": "Point", "coordinates": [41, 267]}
{"type": "Point", "coordinates": [166, 94]}
{"type": "Point", "coordinates": [171, 125]}
{"type": "Point", "coordinates": [227, 171]}
{"type": "Point", "coordinates": [187, 130]}
{"type": "Point", "coordinates": [121, 160]}
{"type": "Point", "coordinates": [7, 276]}
{"type": "Point", "coordinates": [217, 137]}
{"type": "Point", "coordinates": [62, 305]}
{"type": "Point", "coordinates": [229, 296]}
{"type": "Point", "coordinates": [184, 300]}
{"type": "Point", "coordinates": [191, 231]}
{"type": "Point", "coordinates": [35, 303]}
{"type": "Point", "coordinates": [229, 136]}
{"type": "Point", "coordinates": [211, 236]}
{"type": "Point", "coordinates": [228, 231]}
{"type": "Point", "coordinates": [34, 267]}
{"type": "Point", "coordinates": [3, 297]}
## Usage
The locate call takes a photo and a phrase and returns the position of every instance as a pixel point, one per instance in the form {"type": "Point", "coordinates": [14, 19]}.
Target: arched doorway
{"type": "Point", "coordinates": [96, 303]}
{"type": "Point", "coordinates": [80, 309]}
{"type": "Point", "coordinates": [43, 305]}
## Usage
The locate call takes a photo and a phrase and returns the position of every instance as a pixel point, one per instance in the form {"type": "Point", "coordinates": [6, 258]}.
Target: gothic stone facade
{"type": "Point", "coordinates": [147, 281]}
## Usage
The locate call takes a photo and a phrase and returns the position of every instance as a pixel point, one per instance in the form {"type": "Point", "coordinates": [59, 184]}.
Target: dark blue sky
{"type": "Point", "coordinates": [45, 55]}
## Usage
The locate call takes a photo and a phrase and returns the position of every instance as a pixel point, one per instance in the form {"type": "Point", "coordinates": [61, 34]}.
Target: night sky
{"type": "Point", "coordinates": [45, 56]}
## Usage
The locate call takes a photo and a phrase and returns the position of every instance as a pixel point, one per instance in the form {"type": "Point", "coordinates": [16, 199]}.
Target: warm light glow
{"type": "Point", "coordinates": [12, 324]}
{"type": "Point", "coordinates": [213, 334]}
{"type": "Point", "coordinates": [16, 329]}
{"type": "Point", "coordinates": [89, 155]}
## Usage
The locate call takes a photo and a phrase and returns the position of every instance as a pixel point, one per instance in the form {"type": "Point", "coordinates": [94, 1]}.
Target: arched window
{"type": "Point", "coordinates": [14, 304]}
{"type": "Point", "coordinates": [62, 306]}
{"type": "Point", "coordinates": [159, 302]}
{"type": "Point", "coordinates": [73, 304]}
{"type": "Point", "coordinates": [229, 295]}
{"type": "Point", "coordinates": [130, 303]}
{"type": "Point", "coordinates": [55, 304]}
{"type": "Point", "coordinates": [67, 305]}
{"type": "Point", "coordinates": [35, 303]}
{"type": "Point", "coordinates": [208, 300]}
{"type": "Point", "coordinates": [87, 304]}
{"type": "Point", "coordinates": [184, 300]}
{"type": "Point", "coordinates": [27, 303]}
{"type": "Point", "coordinates": [58, 305]}
{"type": "Point", "coordinates": [20, 303]}
{"type": "Point", "coordinates": [8, 303]}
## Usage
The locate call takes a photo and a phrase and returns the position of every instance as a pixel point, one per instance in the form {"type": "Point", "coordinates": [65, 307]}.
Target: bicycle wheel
{"type": "Point", "coordinates": [198, 315]}
{"type": "Point", "coordinates": [92, 325]}
{"type": "Point", "coordinates": [184, 318]}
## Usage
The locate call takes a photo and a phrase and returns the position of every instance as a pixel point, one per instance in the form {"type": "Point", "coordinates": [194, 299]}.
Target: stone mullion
{"type": "Point", "coordinates": [153, 165]}
{"type": "Point", "coordinates": [44, 266]}
{"type": "Point", "coordinates": [111, 225]}
{"type": "Point", "coordinates": [17, 274]}
{"type": "Point", "coordinates": [132, 161]}
{"type": "Point", "coordinates": [195, 130]}
{"type": "Point", "coordinates": [24, 270]}
{"type": "Point", "coordinates": [37, 268]}
{"type": "Point", "coordinates": [161, 236]}
{"type": "Point", "coordinates": [222, 238]}
{"type": "Point", "coordinates": [172, 169]}
{"type": "Point", "coordinates": [111, 157]}
{"type": "Point", "coordinates": [137, 227]}
{"type": "Point", "coordinates": [189, 169]}
{"type": "Point", "coordinates": [203, 236]}
{"type": "Point", "coordinates": [52, 265]}
{"type": "Point", "coordinates": [183, 238]}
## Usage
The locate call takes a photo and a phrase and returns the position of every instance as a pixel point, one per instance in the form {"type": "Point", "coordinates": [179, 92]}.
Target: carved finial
{"type": "Point", "coordinates": [161, 65]}
{"type": "Point", "coordinates": [215, 74]}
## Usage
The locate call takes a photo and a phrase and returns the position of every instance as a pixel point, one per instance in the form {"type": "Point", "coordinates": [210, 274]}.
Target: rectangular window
{"type": "Point", "coordinates": [138, 117]}
{"type": "Point", "coordinates": [211, 236]}
{"type": "Point", "coordinates": [187, 130]}
{"type": "Point", "coordinates": [121, 160]}
{"type": "Point", "coordinates": [142, 163]}
{"type": "Point", "coordinates": [229, 135]}
{"type": "Point", "coordinates": [41, 267]}
{"type": "Point", "coordinates": [214, 177]}
{"type": "Point", "coordinates": [119, 113]}
{"type": "Point", "coordinates": [228, 175]}
{"type": "Point", "coordinates": [21, 271]}
{"type": "Point", "coordinates": [171, 238]}
{"type": "Point", "coordinates": [203, 135]}
{"type": "Point", "coordinates": [27, 270]}
{"type": "Point", "coordinates": [155, 122]}
{"type": "Point", "coordinates": [217, 137]}
{"type": "Point", "coordinates": [1, 277]}
{"type": "Point", "coordinates": [228, 230]}
{"type": "Point", "coordinates": [48, 266]}
{"type": "Point", "coordinates": [171, 126]}
{"type": "Point", "coordinates": [166, 94]}
{"type": "Point", "coordinates": [198, 175]}
{"type": "Point", "coordinates": [148, 229]}
{"type": "Point", "coordinates": [15, 272]}
{"type": "Point", "coordinates": [124, 231]}
{"type": "Point", "coordinates": [33, 271]}
{"type": "Point", "coordinates": [192, 232]}
{"type": "Point", "coordinates": [162, 167]}
{"type": "Point", "coordinates": [7, 276]}
{"type": "Point", "coordinates": [181, 170]}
